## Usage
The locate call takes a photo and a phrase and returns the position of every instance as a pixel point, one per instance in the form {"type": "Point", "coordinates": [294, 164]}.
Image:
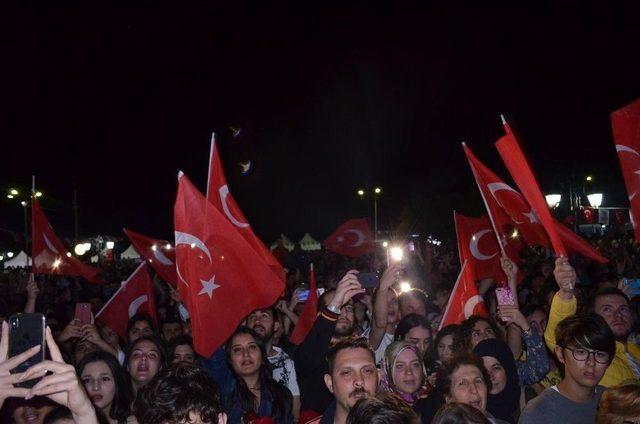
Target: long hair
{"type": "Point", "coordinates": [282, 399]}
{"type": "Point", "coordinates": [409, 322]}
{"type": "Point", "coordinates": [121, 405]}
{"type": "Point", "coordinates": [462, 338]}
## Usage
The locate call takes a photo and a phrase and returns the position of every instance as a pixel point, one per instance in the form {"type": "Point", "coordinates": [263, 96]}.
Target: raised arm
{"type": "Point", "coordinates": [564, 303]}
{"type": "Point", "coordinates": [381, 305]}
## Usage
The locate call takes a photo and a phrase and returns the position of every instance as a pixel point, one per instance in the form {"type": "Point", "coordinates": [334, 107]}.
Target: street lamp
{"type": "Point", "coordinates": [595, 200]}
{"type": "Point", "coordinates": [79, 249]}
{"type": "Point", "coordinates": [9, 254]}
{"type": "Point", "coordinates": [360, 192]}
{"type": "Point", "coordinates": [38, 194]}
{"type": "Point", "coordinates": [110, 245]}
{"type": "Point", "coordinates": [13, 192]}
{"type": "Point", "coordinates": [377, 190]}
{"type": "Point", "coordinates": [553, 200]}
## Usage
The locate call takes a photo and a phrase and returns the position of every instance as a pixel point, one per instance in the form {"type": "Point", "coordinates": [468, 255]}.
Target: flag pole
{"type": "Point", "coordinates": [213, 146]}
{"type": "Point", "coordinates": [486, 205]}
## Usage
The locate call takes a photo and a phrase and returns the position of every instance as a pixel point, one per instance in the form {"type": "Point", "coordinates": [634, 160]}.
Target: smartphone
{"type": "Point", "coordinates": [632, 286]}
{"type": "Point", "coordinates": [83, 313]}
{"type": "Point", "coordinates": [26, 331]}
{"type": "Point", "coordinates": [368, 279]}
{"type": "Point", "coordinates": [303, 295]}
{"type": "Point", "coordinates": [505, 296]}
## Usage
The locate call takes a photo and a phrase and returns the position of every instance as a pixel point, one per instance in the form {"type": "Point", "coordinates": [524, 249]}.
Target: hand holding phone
{"type": "Point", "coordinates": [505, 296]}
{"type": "Point", "coordinates": [83, 313]}
{"type": "Point", "coordinates": [368, 279]}
{"type": "Point", "coordinates": [26, 331]}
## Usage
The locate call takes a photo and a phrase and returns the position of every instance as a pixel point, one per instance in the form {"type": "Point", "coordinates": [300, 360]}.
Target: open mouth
{"type": "Point", "coordinates": [96, 398]}
{"type": "Point", "coordinates": [31, 415]}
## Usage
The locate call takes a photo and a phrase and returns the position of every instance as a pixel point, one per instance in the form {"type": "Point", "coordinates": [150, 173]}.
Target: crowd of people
{"type": "Point", "coordinates": [568, 351]}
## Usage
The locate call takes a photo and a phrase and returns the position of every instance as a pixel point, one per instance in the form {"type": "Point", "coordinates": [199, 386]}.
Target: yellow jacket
{"type": "Point", "coordinates": [619, 371]}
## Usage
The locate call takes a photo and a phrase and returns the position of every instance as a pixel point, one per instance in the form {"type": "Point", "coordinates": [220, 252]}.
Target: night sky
{"type": "Point", "coordinates": [118, 99]}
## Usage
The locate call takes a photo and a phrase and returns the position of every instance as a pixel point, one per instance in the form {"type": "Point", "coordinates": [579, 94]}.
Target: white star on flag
{"type": "Point", "coordinates": [208, 286]}
{"type": "Point", "coordinates": [532, 216]}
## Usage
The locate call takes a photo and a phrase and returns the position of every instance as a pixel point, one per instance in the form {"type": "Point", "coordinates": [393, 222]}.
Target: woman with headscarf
{"type": "Point", "coordinates": [503, 400]}
{"type": "Point", "coordinates": [403, 371]}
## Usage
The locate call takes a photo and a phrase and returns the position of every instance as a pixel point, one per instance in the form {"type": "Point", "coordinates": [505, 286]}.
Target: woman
{"type": "Point", "coordinates": [473, 330]}
{"type": "Point", "coordinates": [504, 397]}
{"type": "Point", "coordinates": [144, 360]}
{"type": "Point", "coordinates": [403, 371]}
{"type": "Point", "coordinates": [253, 391]}
{"type": "Point", "coordinates": [416, 330]}
{"type": "Point", "coordinates": [107, 386]}
{"type": "Point", "coordinates": [443, 344]}
{"type": "Point", "coordinates": [464, 379]}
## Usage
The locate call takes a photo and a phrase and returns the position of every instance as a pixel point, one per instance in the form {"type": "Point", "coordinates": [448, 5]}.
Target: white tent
{"type": "Point", "coordinates": [21, 260]}
{"type": "Point", "coordinates": [285, 240]}
{"type": "Point", "coordinates": [130, 253]}
{"type": "Point", "coordinates": [309, 243]}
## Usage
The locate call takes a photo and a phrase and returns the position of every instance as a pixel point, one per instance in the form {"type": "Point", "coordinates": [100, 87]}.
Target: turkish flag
{"type": "Point", "coordinates": [308, 314]}
{"type": "Point", "coordinates": [48, 253]}
{"type": "Point", "coordinates": [464, 300]}
{"type": "Point", "coordinates": [626, 134]}
{"type": "Point", "coordinates": [218, 194]}
{"type": "Point", "coordinates": [134, 295]}
{"type": "Point", "coordinates": [522, 174]}
{"type": "Point", "coordinates": [478, 246]}
{"type": "Point", "coordinates": [220, 274]}
{"type": "Point", "coordinates": [589, 215]}
{"type": "Point", "coordinates": [158, 253]}
{"type": "Point", "coordinates": [353, 238]}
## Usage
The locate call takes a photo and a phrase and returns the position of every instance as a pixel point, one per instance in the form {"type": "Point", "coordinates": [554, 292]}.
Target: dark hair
{"type": "Point", "coordinates": [121, 405]}
{"type": "Point", "coordinates": [459, 413]}
{"type": "Point", "coordinates": [171, 318]}
{"type": "Point", "coordinates": [62, 412]}
{"type": "Point", "coordinates": [462, 338]}
{"type": "Point", "coordinates": [451, 329]}
{"type": "Point", "coordinates": [417, 294]}
{"type": "Point", "coordinates": [176, 392]}
{"type": "Point", "coordinates": [178, 341]}
{"type": "Point", "coordinates": [384, 408]}
{"type": "Point", "coordinates": [443, 379]}
{"type": "Point", "coordinates": [156, 341]}
{"type": "Point", "coordinates": [282, 399]}
{"type": "Point", "coordinates": [348, 343]}
{"type": "Point", "coordinates": [411, 321]}
{"type": "Point", "coordinates": [605, 292]}
{"type": "Point", "coordinates": [141, 316]}
{"type": "Point", "coordinates": [589, 331]}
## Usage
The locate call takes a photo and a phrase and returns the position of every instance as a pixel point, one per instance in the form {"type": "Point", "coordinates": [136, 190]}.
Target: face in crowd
{"type": "Point", "coordinates": [445, 348]}
{"type": "Point", "coordinates": [616, 312]}
{"type": "Point", "coordinates": [262, 322]}
{"type": "Point", "coordinates": [420, 337]}
{"type": "Point", "coordinates": [346, 320]}
{"type": "Point", "coordinates": [354, 376]}
{"type": "Point", "coordinates": [171, 330]}
{"type": "Point", "coordinates": [144, 362]}
{"type": "Point", "coordinates": [584, 366]}
{"type": "Point", "coordinates": [538, 321]}
{"type": "Point", "coordinates": [99, 383]}
{"type": "Point", "coordinates": [183, 353]}
{"type": "Point", "coordinates": [407, 371]}
{"type": "Point", "coordinates": [482, 330]}
{"type": "Point", "coordinates": [497, 374]}
{"type": "Point", "coordinates": [468, 387]}
{"type": "Point", "coordinates": [139, 329]}
{"type": "Point", "coordinates": [245, 355]}
{"type": "Point", "coordinates": [410, 304]}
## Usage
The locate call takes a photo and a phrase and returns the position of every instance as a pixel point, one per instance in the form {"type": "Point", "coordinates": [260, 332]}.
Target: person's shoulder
{"type": "Point", "coordinates": [536, 405]}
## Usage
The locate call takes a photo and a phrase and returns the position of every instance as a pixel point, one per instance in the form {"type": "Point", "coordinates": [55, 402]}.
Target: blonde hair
{"type": "Point", "coordinates": [619, 403]}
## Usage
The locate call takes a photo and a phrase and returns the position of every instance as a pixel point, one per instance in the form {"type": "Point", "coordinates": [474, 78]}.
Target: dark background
{"type": "Point", "coordinates": [117, 99]}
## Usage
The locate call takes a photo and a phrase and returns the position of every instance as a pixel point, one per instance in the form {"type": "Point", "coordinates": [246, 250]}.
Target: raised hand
{"type": "Point", "coordinates": [7, 380]}
{"type": "Point", "coordinates": [348, 287]}
{"type": "Point", "coordinates": [565, 276]}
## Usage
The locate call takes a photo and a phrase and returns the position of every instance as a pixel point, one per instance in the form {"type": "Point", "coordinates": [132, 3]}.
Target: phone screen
{"type": "Point", "coordinates": [83, 313]}
{"type": "Point", "coordinates": [26, 331]}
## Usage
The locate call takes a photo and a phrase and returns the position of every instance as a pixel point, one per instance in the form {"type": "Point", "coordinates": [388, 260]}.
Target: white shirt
{"type": "Point", "coordinates": [284, 371]}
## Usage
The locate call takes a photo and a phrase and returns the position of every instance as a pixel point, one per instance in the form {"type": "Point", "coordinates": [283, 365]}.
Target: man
{"type": "Point", "coordinates": [351, 375]}
{"type": "Point", "coordinates": [266, 323]}
{"type": "Point", "coordinates": [385, 312]}
{"type": "Point", "coordinates": [613, 306]}
{"type": "Point", "coordinates": [335, 320]}
{"type": "Point", "coordinates": [140, 325]}
{"type": "Point", "coordinates": [586, 347]}
{"type": "Point", "coordinates": [384, 408]}
{"type": "Point", "coordinates": [171, 327]}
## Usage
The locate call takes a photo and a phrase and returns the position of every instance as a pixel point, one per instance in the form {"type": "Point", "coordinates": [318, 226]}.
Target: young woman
{"type": "Point", "coordinates": [107, 386]}
{"type": "Point", "coordinates": [145, 358]}
{"type": "Point", "coordinates": [403, 371]}
{"type": "Point", "coordinates": [416, 330]}
{"type": "Point", "coordinates": [252, 391]}
{"type": "Point", "coordinates": [443, 344]}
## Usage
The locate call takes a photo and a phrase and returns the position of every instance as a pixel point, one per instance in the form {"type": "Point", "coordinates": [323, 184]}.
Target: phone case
{"type": "Point", "coordinates": [83, 313]}
{"type": "Point", "coordinates": [504, 295]}
{"type": "Point", "coordinates": [26, 331]}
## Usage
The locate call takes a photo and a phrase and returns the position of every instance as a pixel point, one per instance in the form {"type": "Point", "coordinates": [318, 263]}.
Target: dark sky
{"type": "Point", "coordinates": [118, 99]}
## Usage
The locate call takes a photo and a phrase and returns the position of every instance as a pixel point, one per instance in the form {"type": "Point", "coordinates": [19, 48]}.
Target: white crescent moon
{"type": "Point", "coordinates": [49, 244]}
{"type": "Point", "coordinates": [161, 257]}
{"type": "Point", "coordinates": [186, 238]}
{"type": "Point", "coordinates": [473, 246]}
{"type": "Point", "coordinates": [471, 304]}
{"type": "Point", "coordinates": [495, 187]}
{"type": "Point", "coordinates": [627, 149]}
{"type": "Point", "coordinates": [133, 306]}
{"type": "Point", "coordinates": [360, 236]}
{"type": "Point", "coordinates": [224, 192]}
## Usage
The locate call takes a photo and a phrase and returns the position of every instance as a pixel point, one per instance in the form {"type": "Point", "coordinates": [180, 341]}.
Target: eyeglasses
{"type": "Point", "coordinates": [581, 354]}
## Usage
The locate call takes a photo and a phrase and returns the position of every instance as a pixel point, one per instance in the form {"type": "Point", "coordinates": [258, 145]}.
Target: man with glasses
{"type": "Point", "coordinates": [613, 306]}
{"type": "Point", "coordinates": [586, 347]}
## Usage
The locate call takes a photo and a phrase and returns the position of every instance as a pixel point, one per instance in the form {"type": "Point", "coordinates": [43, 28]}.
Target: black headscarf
{"type": "Point", "coordinates": [505, 404]}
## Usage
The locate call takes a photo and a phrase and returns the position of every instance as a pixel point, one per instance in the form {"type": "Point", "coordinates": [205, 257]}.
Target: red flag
{"type": "Point", "coordinates": [478, 246]}
{"type": "Point", "coordinates": [218, 194]}
{"type": "Point", "coordinates": [158, 253]}
{"type": "Point", "coordinates": [353, 238]}
{"type": "Point", "coordinates": [308, 314]}
{"type": "Point", "coordinates": [523, 176]}
{"type": "Point", "coordinates": [626, 134]}
{"type": "Point", "coordinates": [464, 300]}
{"type": "Point", "coordinates": [49, 254]}
{"type": "Point", "coordinates": [134, 295]}
{"type": "Point", "coordinates": [219, 273]}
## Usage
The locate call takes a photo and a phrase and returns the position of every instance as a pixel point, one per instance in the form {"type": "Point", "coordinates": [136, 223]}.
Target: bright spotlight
{"type": "Point", "coordinates": [13, 192]}
{"type": "Point", "coordinates": [377, 190]}
{"type": "Point", "coordinates": [68, 254]}
{"type": "Point", "coordinates": [38, 194]}
{"type": "Point", "coordinates": [396, 253]}
{"type": "Point", "coordinates": [360, 192]}
{"type": "Point", "coordinates": [167, 246]}
{"type": "Point", "coordinates": [9, 254]}
{"type": "Point", "coordinates": [154, 247]}
{"type": "Point", "coordinates": [110, 245]}
{"type": "Point", "coordinates": [385, 244]}
{"type": "Point", "coordinates": [405, 286]}
{"type": "Point", "coordinates": [56, 263]}
{"type": "Point", "coordinates": [79, 249]}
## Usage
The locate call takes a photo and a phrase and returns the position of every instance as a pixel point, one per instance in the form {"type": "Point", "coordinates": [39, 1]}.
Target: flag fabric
{"type": "Point", "coordinates": [49, 255]}
{"type": "Point", "coordinates": [625, 123]}
{"type": "Point", "coordinates": [464, 300]}
{"type": "Point", "coordinates": [220, 274]}
{"type": "Point", "coordinates": [134, 295]}
{"type": "Point", "coordinates": [519, 168]}
{"type": "Point", "coordinates": [353, 239]}
{"type": "Point", "coordinates": [218, 194]}
{"type": "Point", "coordinates": [158, 253]}
{"type": "Point", "coordinates": [478, 246]}
{"type": "Point", "coordinates": [309, 312]}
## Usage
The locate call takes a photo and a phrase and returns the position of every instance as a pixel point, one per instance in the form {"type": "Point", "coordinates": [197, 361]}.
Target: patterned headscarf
{"type": "Point", "coordinates": [389, 362]}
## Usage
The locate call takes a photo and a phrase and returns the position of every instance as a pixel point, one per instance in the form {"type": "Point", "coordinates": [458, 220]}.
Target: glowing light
{"type": "Point", "coordinates": [385, 244]}
{"type": "Point", "coordinates": [56, 263]}
{"type": "Point", "coordinates": [68, 254]}
{"type": "Point", "coordinates": [377, 190]}
{"type": "Point", "coordinates": [87, 246]}
{"type": "Point", "coordinates": [79, 249]}
{"type": "Point", "coordinates": [405, 286]}
{"type": "Point", "coordinates": [553, 200]}
{"type": "Point", "coordinates": [154, 247]}
{"type": "Point", "coordinates": [595, 200]}
{"type": "Point", "coordinates": [38, 194]}
{"type": "Point", "coordinates": [110, 245]}
{"type": "Point", "coordinates": [9, 254]}
{"type": "Point", "coordinates": [360, 192]}
{"type": "Point", "coordinates": [515, 233]}
{"type": "Point", "coordinates": [10, 196]}
{"type": "Point", "coordinates": [23, 203]}
{"type": "Point", "coordinates": [193, 245]}
{"type": "Point", "coordinates": [589, 178]}
{"type": "Point", "coordinates": [1, 257]}
{"type": "Point", "coordinates": [13, 192]}
{"type": "Point", "coordinates": [396, 253]}
{"type": "Point", "coordinates": [167, 246]}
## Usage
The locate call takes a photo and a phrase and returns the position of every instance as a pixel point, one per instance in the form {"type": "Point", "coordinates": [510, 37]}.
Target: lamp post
{"type": "Point", "coordinates": [25, 202]}
{"type": "Point", "coordinates": [377, 191]}
{"type": "Point", "coordinates": [553, 200]}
